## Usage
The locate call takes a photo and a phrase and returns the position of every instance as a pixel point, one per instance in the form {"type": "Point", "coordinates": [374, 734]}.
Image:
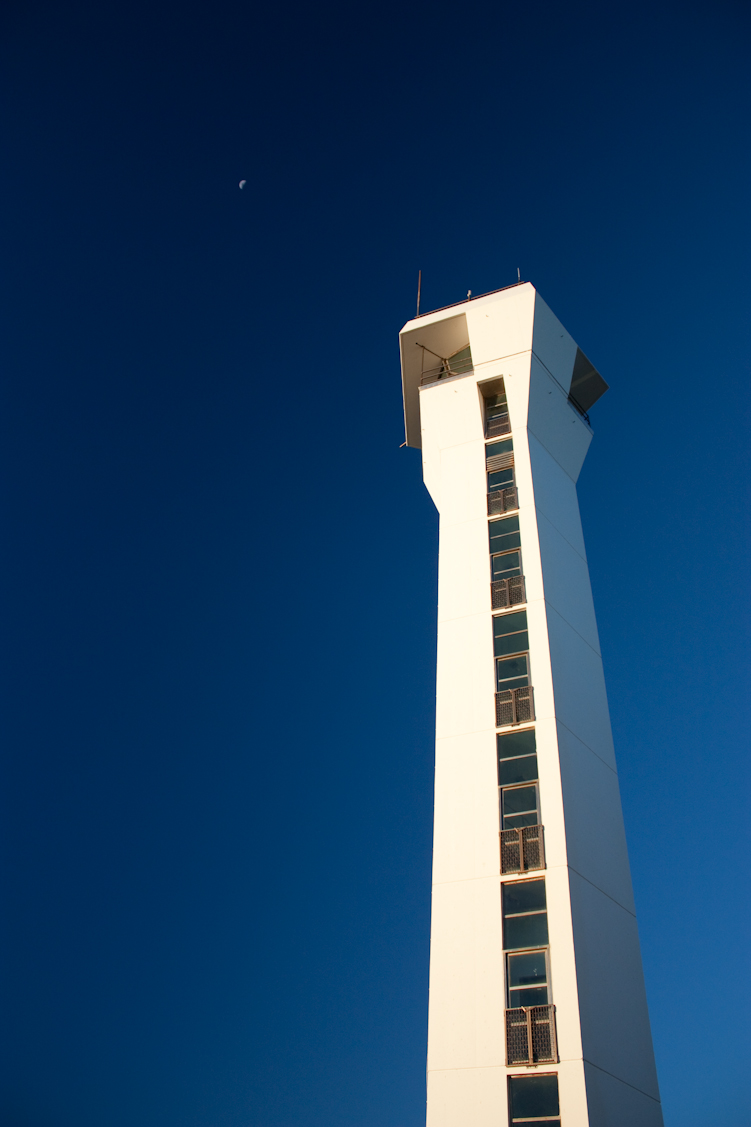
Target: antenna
{"type": "Point", "coordinates": [419, 287]}
{"type": "Point", "coordinates": [518, 274]}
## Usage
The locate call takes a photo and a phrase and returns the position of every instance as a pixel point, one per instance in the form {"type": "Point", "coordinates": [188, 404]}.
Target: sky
{"type": "Point", "coordinates": [219, 568]}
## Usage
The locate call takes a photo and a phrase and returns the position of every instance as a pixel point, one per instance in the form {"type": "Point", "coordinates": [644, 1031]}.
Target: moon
{"type": "Point", "coordinates": [243, 183]}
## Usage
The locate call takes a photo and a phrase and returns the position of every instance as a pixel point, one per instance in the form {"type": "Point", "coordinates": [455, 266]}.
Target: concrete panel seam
{"type": "Point", "coordinates": [548, 451]}
{"type": "Point", "coordinates": [591, 750]}
{"type": "Point", "coordinates": [497, 359]}
{"type": "Point", "coordinates": [561, 388]}
{"type": "Point", "coordinates": [569, 624]}
{"type": "Point", "coordinates": [586, 643]}
{"type": "Point", "coordinates": [482, 613]}
{"type": "Point", "coordinates": [621, 1080]}
{"type": "Point", "coordinates": [604, 893]}
{"type": "Point", "coordinates": [558, 531]}
{"type": "Point", "coordinates": [498, 877]}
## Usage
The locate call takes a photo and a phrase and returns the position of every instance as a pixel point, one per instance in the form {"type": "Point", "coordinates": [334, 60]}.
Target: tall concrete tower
{"type": "Point", "coordinates": [537, 1012]}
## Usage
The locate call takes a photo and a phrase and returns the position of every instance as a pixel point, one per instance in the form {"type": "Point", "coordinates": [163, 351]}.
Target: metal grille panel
{"type": "Point", "coordinates": [524, 704]}
{"type": "Point", "coordinates": [498, 425]}
{"type": "Point", "coordinates": [516, 592]}
{"type": "Point", "coordinates": [502, 500]}
{"type": "Point", "coordinates": [500, 461]}
{"type": "Point", "coordinates": [522, 849]}
{"type": "Point", "coordinates": [530, 1035]}
{"type": "Point", "coordinates": [514, 706]}
{"type": "Point", "coordinates": [507, 592]}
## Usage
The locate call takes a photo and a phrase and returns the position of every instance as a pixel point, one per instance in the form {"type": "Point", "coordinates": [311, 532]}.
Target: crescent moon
{"type": "Point", "coordinates": [243, 183]}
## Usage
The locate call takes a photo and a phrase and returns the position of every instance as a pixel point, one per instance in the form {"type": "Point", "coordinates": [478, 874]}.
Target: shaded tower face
{"type": "Point", "coordinates": [537, 1006]}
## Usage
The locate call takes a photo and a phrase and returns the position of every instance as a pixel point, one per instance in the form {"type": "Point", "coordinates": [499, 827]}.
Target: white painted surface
{"type": "Point", "coordinates": [596, 979]}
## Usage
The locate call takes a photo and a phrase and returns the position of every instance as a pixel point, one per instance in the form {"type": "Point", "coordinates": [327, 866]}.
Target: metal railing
{"type": "Point", "coordinates": [502, 501]}
{"type": "Point", "coordinates": [507, 592]}
{"type": "Point", "coordinates": [445, 371]}
{"type": "Point", "coordinates": [498, 425]}
{"type": "Point", "coordinates": [514, 706]}
{"type": "Point", "coordinates": [530, 1035]}
{"type": "Point", "coordinates": [522, 849]}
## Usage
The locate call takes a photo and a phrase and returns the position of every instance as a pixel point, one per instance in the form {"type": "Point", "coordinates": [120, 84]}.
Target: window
{"type": "Point", "coordinates": [510, 637]}
{"type": "Point", "coordinates": [527, 979]}
{"type": "Point", "coordinates": [505, 542]}
{"type": "Point", "coordinates": [499, 450]}
{"type": "Point", "coordinates": [517, 765]}
{"type": "Point", "coordinates": [534, 1099]}
{"type": "Point", "coordinates": [496, 414]}
{"type": "Point", "coordinates": [525, 915]}
{"type": "Point", "coordinates": [501, 479]}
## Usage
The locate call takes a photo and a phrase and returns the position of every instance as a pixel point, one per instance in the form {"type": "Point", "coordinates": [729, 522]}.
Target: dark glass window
{"type": "Point", "coordinates": [511, 672]}
{"type": "Point", "coordinates": [517, 763]}
{"type": "Point", "coordinates": [525, 919]}
{"type": "Point", "coordinates": [518, 807]}
{"type": "Point", "coordinates": [501, 479]}
{"type": "Point", "coordinates": [495, 448]}
{"type": "Point", "coordinates": [510, 637]}
{"type": "Point", "coordinates": [524, 896]}
{"type": "Point", "coordinates": [504, 534]}
{"type": "Point", "coordinates": [527, 979]}
{"type": "Point", "coordinates": [510, 633]}
{"type": "Point", "coordinates": [522, 770]}
{"type": "Point", "coordinates": [506, 565]}
{"type": "Point", "coordinates": [534, 1097]}
{"type": "Point", "coordinates": [496, 415]}
{"type": "Point", "coordinates": [516, 743]}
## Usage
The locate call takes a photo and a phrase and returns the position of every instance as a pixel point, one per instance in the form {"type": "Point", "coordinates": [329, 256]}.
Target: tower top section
{"type": "Point", "coordinates": [474, 336]}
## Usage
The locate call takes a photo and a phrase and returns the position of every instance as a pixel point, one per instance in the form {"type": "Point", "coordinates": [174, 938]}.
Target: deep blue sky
{"type": "Point", "coordinates": [219, 569]}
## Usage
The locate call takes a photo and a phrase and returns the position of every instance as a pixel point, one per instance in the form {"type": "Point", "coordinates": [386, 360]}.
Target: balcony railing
{"type": "Point", "coordinates": [498, 425]}
{"type": "Point", "coordinates": [507, 592]}
{"type": "Point", "coordinates": [530, 1035]}
{"type": "Point", "coordinates": [522, 849]}
{"type": "Point", "coordinates": [514, 706]}
{"type": "Point", "coordinates": [445, 370]}
{"type": "Point", "coordinates": [502, 500]}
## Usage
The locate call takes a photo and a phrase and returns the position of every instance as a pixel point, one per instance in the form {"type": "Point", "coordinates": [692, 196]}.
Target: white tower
{"type": "Point", "coordinates": [538, 1012]}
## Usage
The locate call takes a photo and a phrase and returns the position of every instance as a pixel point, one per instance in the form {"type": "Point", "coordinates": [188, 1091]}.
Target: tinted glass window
{"type": "Point", "coordinates": [496, 401]}
{"type": "Point", "coordinates": [512, 644]}
{"type": "Point", "coordinates": [528, 970]}
{"type": "Point", "coordinates": [504, 534]}
{"type": "Point", "coordinates": [500, 479]}
{"type": "Point", "coordinates": [525, 931]}
{"type": "Point", "coordinates": [522, 770]}
{"type": "Point", "coordinates": [510, 634]}
{"type": "Point", "coordinates": [519, 800]}
{"type": "Point", "coordinates": [508, 623]}
{"type": "Point", "coordinates": [511, 673]}
{"type": "Point", "coordinates": [516, 743]}
{"type": "Point", "coordinates": [494, 448]}
{"type": "Point", "coordinates": [506, 565]}
{"type": "Point", "coordinates": [524, 896]}
{"type": "Point", "coordinates": [532, 1097]}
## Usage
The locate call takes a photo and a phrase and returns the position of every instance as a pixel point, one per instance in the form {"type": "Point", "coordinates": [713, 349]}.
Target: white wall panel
{"type": "Point", "coordinates": [555, 495]}
{"type": "Point", "coordinates": [615, 1104]}
{"type": "Point", "coordinates": [466, 808]}
{"type": "Point", "coordinates": [612, 1000]}
{"type": "Point", "coordinates": [555, 347]}
{"type": "Point", "coordinates": [555, 423]}
{"type": "Point", "coordinates": [595, 837]}
{"type": "Point", "coordinates": [566, 582]}
{"type": "Point", "coordinates": [466, 976]}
